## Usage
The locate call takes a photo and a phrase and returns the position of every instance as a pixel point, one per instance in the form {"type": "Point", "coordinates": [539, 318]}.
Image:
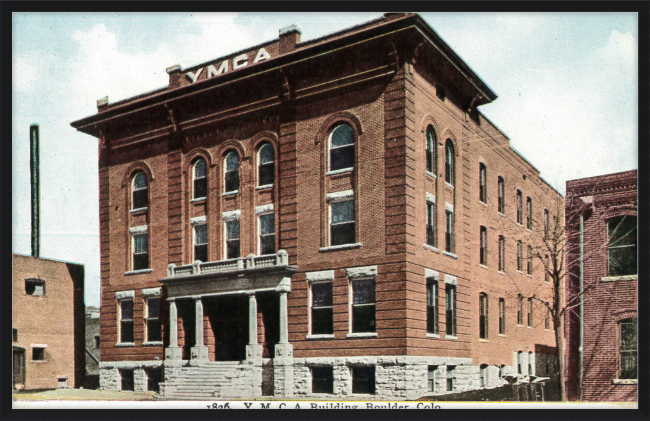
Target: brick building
{"type": "Point", "coordinates": [607, 206]}
{"type": "Point", "coordinates": [48, 323]}
{"type": "Point", "coordinates": [329, 217]}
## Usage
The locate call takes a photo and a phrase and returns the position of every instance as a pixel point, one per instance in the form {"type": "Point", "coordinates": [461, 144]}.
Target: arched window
{"type": "Point", "coordinates": [529, 213]}
{"type": "Point", "coordinates": [482, 182]}
{"type": "Point", "coordinates": [450, 163]}
{"type": "Point", "coordinates": [200, 181]}
{"type": "Point", "coordinates": [140, 191]}
{"type": "Point", "coordinates": [520, 211]}
{"type": "Point", "coordinates": [483, 253]}
{"type": "Point", "coordinates": [502, 253]}
{"type": "Point", "coordinates": [341, 148]}
{"type": "Point", "coordinates": [502, 194]}
{"type": "Point", "coordinates": [431, 150]}
{"type": "Point", "coordinates": [265, 165]}
{"type": "Point", "coordinates": [483, 315]}
{"type": "Point", "coordinates": [231, 172]}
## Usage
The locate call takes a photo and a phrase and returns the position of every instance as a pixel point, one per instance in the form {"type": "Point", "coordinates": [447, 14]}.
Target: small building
{"type": "Point", "coordinates": [93, 342]}
{"type": "Point", "coordinates": [601, 223]}
{"type": "Point", "coordinates": [48, 323]}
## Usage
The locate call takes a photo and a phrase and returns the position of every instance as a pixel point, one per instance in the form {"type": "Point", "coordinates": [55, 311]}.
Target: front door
{"type": "Point", "coordinates": [19, 366]}
{"type": "Point", "coordinates": [229, 322]}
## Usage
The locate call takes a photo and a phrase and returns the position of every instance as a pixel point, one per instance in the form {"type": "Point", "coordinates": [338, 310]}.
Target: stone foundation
{"type": "Point", "coordinates": [111, 379]}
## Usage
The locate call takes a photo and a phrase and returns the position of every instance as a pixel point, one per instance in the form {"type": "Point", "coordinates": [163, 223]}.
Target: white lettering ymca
{"type": "Point", "coordinates": [237, 63]}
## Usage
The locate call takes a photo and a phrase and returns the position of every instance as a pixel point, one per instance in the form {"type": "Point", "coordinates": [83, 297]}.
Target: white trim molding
{"type": "Point", "coordinates": [141, 229]}
{"type": "Point", "coordinates": [151, 292]}
{"type": "Point", "coordinates": [340, 195]}
{"type": "Point", "coordinates": [232, 215]}
{"type": "Point", "coordinates": [323, 275]}
{"type": "Point", "coordinates": [450, 279]}
{"type": "Point", "coordinates": [121, 295]}
{"type": "Point", "coordinates": [431, 198]}
{"type": "Point", "coordinates": [431, 274]}
{"type": "Point", "coordinates": [449, 207]}
{"type": "Point", "coordinates": [264, 208]}
{"type": "Point", "coordinates": [199, 220]}
{"type": "Point", "coordinates": [361, 272]}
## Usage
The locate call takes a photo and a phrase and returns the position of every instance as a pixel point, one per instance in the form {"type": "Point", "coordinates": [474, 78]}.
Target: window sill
{"type": "Point", "coordinates": [138, 210]}
{"type": "Point", "coordinates": [433, 335]}
{"type": "Point", "coordinates": [321, 336]}
{"type": "Point", "coordinates": [482, 266]}
{"type": "Point", "coordinates": [619, 278]}
{"type": "Point", "coordinates": [430, 174]}
{"type": "Point", "coordinates": [625, 381]}
{"type": "Point", "coordinates": [137, 272]}
{"type": "Point", "coordinates": [502, 273]}
{"type": "Point", "coordinates": [451, 337]}
{"type": "Point", "coordinates": [340, 247]}
{"type": "Point", "coordinates": [520, 272]}
{"type": "Point", "coordinates": [125, 344]}
{"type": "Point", "coordinates": [483, 203]}
{"type": "Point", "coordinates": [39, 361]}
{"type": "Point", "coordinates": [230, 193]}
{"type": "Point", "coordinates": [502, 214]}
{"type": "Point", "coordinates": [452, 255]}
{"type": "Point", "coordinates": [341, 171]}
{"type": "Point", "coordinates": [484, 340]}
{"type": "Point", "coordinates": [530, 276]}
{"type": "Point", "coordinates": [432, 248]}
{"type": "Point", "coordinates": [264, 187]}
{"type": "Point", "coordinates": [156, 343]}
{"type": "Point", "coordinates": [530, 327]}
{"type": "Point", "coordinates": [449, 185]}
{"type": "Point", "coordinates": [502, 335]}
{"type": "Point", "coordinates": [198, 200]}
{"type": "Point", "coordinates": [362, 335]}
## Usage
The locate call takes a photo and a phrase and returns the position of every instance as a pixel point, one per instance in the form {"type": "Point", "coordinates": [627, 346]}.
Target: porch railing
{"type": "Point", "coordinates": [280, 258]}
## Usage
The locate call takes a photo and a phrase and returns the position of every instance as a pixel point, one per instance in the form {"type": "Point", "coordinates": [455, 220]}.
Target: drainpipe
{"type": "Point", "coordinates": [582, 310]}
{"type": "Point", "coordinates": [36, 189]}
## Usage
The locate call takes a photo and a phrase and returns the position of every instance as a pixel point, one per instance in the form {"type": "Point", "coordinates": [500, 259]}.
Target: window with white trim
{"type": "Point", "coordinates": [483, 257]}
{"type": "Point", "coordinates": [483, 316]}
{"type": "Point", "coordinates": [431, 150]}
{"type": "Point", "coordinates": [231, 172]}
{"type": "Point", "coordinates": [520, 257]}
{"type": "Point", "coordinates": [530, 312]}
{"type": "Point", "coordinates": [529, 213]}
{"type": "Point", "coordinates": [502, 253]}
{"type": "Point", "coordinates": [431, 378]}
{"type": "Point", "coordinates": [529, 265]}
{"type": "Point", "coordinates": [154, 331]}
{"type": "Point", "coordinates": [363, 305]}
{"type": "Point", "coordinates": [200, 180]}
{"type": "Point", "coordinates": [520, 309]}
{"type": "Point", "coordinates": [627, 349]}
{"type": "Point", "coordinates": [450, 304]}
{"type": "Point", "coordinates": [520, 362]}
{"type": "Point", "coordinates": [432, 306]}
{"type": "Point", "coordinates": [482, 182]}
{"type": "Point", "coordinates": [267, 233]}
{"type": "Point", "coordinates": [140, 244]}
{"type": "Point", "coordinates": [342, 224]}
{"type": "Point", "coordinates": [502, 316]}
{"type": "Point", "coordinates": [265, 165]}
{"type": "Point", "coordinates": [139, 191]}
{"type": "Point", "coordinates": [125, 314]}
{"type": "Point", "coordinates": [232, 239]}
{"type": "Point", "coordinates": [341, 148]}
{"type": "Point", "coordinates": [322, 318]}
{"type": "Point", "coordinates": [621, 245]}
{"type": "Point", "coordinates": [450, 162]}
{"type": "Point", "coordinates": [431, 223]}
{"type": "Point", "coordinates": [201, 242]}
{"type": "Point", "coordinates": [38, 353]}
{"type": "Point", "coordinates": [520, 210]}
{"type": "Point", "coordinates": [547, 223]}
{"type": "Point", "coordinates": [502, 195]}
{"type": "Point", "coordinates": [449, 231]}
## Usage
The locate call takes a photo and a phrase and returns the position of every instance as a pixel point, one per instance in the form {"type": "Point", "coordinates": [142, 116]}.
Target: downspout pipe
{"type": "Point", "coordinates": [582, 309]}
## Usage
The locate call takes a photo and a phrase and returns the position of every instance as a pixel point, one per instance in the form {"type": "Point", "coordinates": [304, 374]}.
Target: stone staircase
{"type": "Point", "coordinates": [211, 380]}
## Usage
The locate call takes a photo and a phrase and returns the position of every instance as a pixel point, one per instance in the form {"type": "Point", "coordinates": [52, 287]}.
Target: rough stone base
{"type": "Point", "coordinates": [111, 379]}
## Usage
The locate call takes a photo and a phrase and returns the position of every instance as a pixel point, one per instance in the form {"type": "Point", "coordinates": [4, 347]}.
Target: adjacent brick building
{"type": "Point", "coordinates": [330, 217]}
{"type": "Point", "coordinates": [607, 206]}
{"type": "Point", "coordinates": [48, 323]}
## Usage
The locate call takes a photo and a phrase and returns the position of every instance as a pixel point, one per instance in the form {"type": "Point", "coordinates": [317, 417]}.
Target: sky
{"type": "Point", "coordinates": [567, 87]}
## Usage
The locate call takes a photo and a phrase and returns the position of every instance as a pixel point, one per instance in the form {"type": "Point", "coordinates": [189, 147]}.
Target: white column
{"type": "Point", "coordinates": [199, 321]}
{"type": "Point", "coordinates": [252, 319]}
{"type": "Point", "coordinates": [284, 321]}
{"type": "Point", "coordinates": [173, 324]}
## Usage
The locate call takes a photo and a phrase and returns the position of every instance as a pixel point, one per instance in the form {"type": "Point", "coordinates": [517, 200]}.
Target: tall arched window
{"type": "Point", "coordinates": [502, 253]}
{"type": "Point", "coordinates": [520, 211]}
{"type": "Point", "coordinates": [502, 195]}
{"type": "Point", "coordinates": [200, 181]}
{"type": "Point", "coordinates": [529, 213]}
{"type": "Point", "coordinates": [139, 191]}
{"type": "Point", "coordinates": [502, 316]}
{"type": "Point", "coordinates": [231, 172]}
{"type": "Point", "coordinates": [341, 148]}
{"type": "Point", "coordinates": [482, 182]}
{"type": "Point", "coordinates": [431, 150]}
{"type": "Point", "coordinates": [265, 165]}
{"type": "Point", "coordinates": [483, 253]}
{"type": "Point", "coordinates": [450, 163]}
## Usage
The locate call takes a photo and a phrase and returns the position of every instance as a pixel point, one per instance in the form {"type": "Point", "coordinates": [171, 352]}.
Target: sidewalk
{"type": "Point", "coordinates": [84, 394]}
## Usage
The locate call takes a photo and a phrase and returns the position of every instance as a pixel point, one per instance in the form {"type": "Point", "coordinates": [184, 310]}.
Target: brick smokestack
{"type": "Point", "coordinates": [36, 189]}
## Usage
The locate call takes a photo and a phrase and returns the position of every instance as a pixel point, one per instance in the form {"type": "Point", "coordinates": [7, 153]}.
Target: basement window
{"type": "Point", "coordinates": [35, 287]}
{"type": "Point", "coordinates": [38, 353]}
{"type": "Point", "coordinates": [363, 380]}
{"type": "Point", "coordinates": [127, 379]}
{"type": "Point", "coordinates": [322, 379]}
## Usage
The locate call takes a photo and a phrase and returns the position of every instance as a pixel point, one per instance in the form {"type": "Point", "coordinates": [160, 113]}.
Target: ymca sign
{"type": "Point", "coordinates": [237, 63]}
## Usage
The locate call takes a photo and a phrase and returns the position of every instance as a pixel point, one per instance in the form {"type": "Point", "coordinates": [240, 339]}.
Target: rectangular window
{"type": "Point", "coordinates": [482, 183]}
{"type": "Point", "coordinates": [520, 257]}
{"type": "Point", "coordinates": [431, 378]}
{"type": "Point", "coordinates": [502, 316]}
{"type": "Point", "coordinates": [628, 349]}
{"type": "Point", "coordinates": [520, 362]}
{"type": "Point", "coordinates": [35, 287]}
{"type": "Point", "coordinates": [141, 251]}
{"type": "Point", "coordinates": [201, 243]}
{"type": "Point", "coordinates": [127, 378]}
{"type": "Point", "coordinates": [126, 321]}
{"type": "Point", "coordinates": [322, 379]}
{"type": "Point", "coordinates": [342, 226]}
{"type": "Point", "coordinates": [502, 254]}
{"type": "Point", "coordinates": [232, 239]}
{"type": "Point", "coordinates": [483, 375]}
{"type": "Point", "coordinates": [520, 310]}
{"type": "Point", "coordinates": [98, 341]}
{"type": "Point", "coordinates": [547, 268]}
{"type": "Point", "coordinates": [483, 253]}
{"type": "Point", "coordinates": [621, 248]}
{"type": "Point", "coordinates": [547, 223]}
{"type": "Point", "coordinates": [267, 233]}
{"type": "Point", "coordinates": [154, 376]}
{"type": "Point", "coordinates": [14, 337]}
{"type": "Point", "coordinates": [451, 309]}
{"type": "Point", "coordinates": [321, 308]}
{"type": "Point", "coordinates": [529, 211]}
{"type": "Point", "coordinates": [431, 223]}
{"type": "Point", "coordinates": [38, 353]}
{"type": "Point", "coordinates": [547, 320]}
{"type": "Point", "coordinates": [450, 378]}
{"type": "Point", "coordinates": [154, 332]}
{"type": "Point", "coordinates": [483, 316]}
{"type": "Point", "coordinates": [449, 231]}
{"type": "Point", "coordinates": [530, 312]}
{"type": "Point", "coordinates": [363, 380]}
{"type": "Point", "coordinates": [529, 265]}
{"type": "Point", "coordinates": [520, 211]}
{"type": "Point", "coordinates": [531, 367]}
{"type": "Point", "coordinates": [363, 305]}
{"type": "Point", "coordinates": [502, 201]}
{"type": "Point", "coordinates": [432, 308]}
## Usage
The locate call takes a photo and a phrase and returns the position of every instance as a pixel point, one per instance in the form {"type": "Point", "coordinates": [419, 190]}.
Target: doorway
{"type": "Point", "coordinates": [19, 366]}
{"type": "Point", "coordinates": [228, 316]}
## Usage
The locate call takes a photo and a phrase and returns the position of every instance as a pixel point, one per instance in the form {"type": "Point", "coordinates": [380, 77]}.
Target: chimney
{"type": "Point", "coordinates": [36, 190]}
{"type": "Point", "coordinates": [102, 104]}
{"type": "Point", "coordinates": [289, 37]}
{"type": "Point", "coordinates": [174, 73]}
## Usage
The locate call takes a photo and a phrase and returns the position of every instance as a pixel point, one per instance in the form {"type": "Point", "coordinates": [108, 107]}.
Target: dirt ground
{"type": "Point", "coordinates": [83, 394]}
